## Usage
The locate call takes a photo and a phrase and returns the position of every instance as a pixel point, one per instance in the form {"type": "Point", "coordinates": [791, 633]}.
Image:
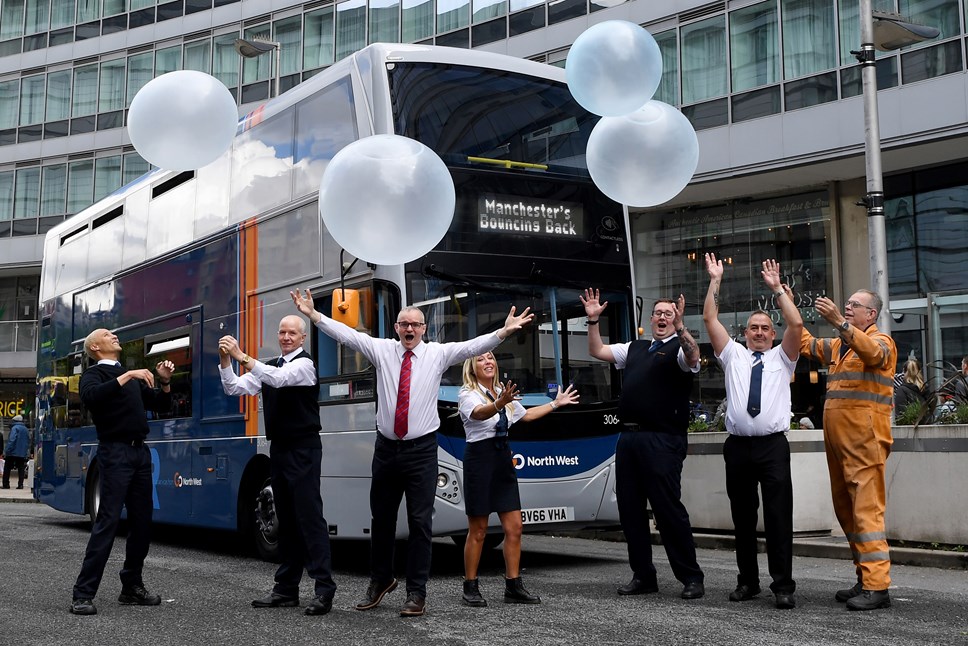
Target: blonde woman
{"type": "Point", "coordinates": [487, 409]}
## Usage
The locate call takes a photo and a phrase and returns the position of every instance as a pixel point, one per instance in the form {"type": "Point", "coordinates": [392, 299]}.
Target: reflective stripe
{"type": "Point", "coordinates": [862, 376]}
{"type": "Point", "coordinates": [886, 351]}
{"type": "Point", "coordinates": [867, 537]}
{"type": "Point", "coordinates": [872, 556]}
{"type": "Point", "coordinates": [853, 394]}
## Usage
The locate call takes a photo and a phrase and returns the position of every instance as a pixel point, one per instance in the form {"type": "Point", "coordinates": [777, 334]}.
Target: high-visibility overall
{"type": "Point", "coordinates": [857, 437]}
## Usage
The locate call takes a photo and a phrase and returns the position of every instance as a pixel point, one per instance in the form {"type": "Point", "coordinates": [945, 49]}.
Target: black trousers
{"type": "Point", "coordinates": [765, 462]}
{"type": "Point", "coordinates": [125, 482]}
{"type": "Point", "coordinates": [11, 463]}
{"type": "Point", "coordinates": [649, 469]}
{"type": "Point", "coordinates": [303, 531]}
{"type": "Point", "coordinates": [403, 467]}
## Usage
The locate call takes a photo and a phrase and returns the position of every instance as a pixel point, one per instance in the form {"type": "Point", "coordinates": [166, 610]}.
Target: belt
{"type": "Point", "coordinates": [400, 445]}
{"type": "Point", "coordinates": [751, 438]}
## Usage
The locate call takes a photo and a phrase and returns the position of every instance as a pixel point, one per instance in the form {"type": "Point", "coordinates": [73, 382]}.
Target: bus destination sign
{"type": "Point", "coordinates": [507, 214]}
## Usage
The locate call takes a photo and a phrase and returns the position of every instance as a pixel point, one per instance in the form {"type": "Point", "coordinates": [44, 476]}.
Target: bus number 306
{"type": "Point", "coordinates": [611, 419]}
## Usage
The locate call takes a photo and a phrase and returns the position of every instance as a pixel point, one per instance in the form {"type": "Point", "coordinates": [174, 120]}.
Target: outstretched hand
{"type": "Point", "coordinates": [771, 274]}
{"type": "Point", "coordinates": [508, 394]}
{"type": "Point", "coordinates": [567, 396]}
{"type": "Point", "coordinates": [593, 306]}
{"type": "Point", "coordinates": [305, 303]}
{"type": "Point", "coordinates": [714, 267]}
{"type": "Point", "coordinates": [513, 322]}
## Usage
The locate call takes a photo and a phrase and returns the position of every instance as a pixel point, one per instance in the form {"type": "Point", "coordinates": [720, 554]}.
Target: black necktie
{"type": "Point", "coordinates": [756, 381]}
{"type": "Point", "coordinates": [655, 346]}
{"type": "Point", "coordinates": [278, 363]}
{"type": "Point", "coordinates": [501, 428]}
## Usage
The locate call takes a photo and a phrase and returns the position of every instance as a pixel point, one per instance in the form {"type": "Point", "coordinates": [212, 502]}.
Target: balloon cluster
{"type": "Point", "coordinates": [642, 152]}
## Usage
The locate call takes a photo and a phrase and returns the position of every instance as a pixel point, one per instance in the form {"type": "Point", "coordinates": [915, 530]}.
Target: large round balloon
{"type": "Point", "coordinates": [644, 158]}
{"type": "Point", "coordinates": [182, 120]}
{"type": "Point", "coordinates": [613, 68]}
{"type": "Point", "coordinates": [387, 199]}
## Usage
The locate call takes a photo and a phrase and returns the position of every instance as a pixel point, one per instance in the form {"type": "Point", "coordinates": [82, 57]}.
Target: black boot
{"type": "Point", "coordinates": [472, 594]}
{"type": "Point", "coordinates": [515, 592]}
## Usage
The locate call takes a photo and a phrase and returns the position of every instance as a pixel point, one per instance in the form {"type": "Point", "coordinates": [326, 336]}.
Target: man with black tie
{"type": "Point", "coordinates": [117, 400]}
{"type": "Point", "coordinates": [405, 455]}
{"type": "Point", "coordinates": [756, 452]}
{"type": "Point", "coordinates": [291, 411]}
{"type": "Point", "coordinates": [652, 447]}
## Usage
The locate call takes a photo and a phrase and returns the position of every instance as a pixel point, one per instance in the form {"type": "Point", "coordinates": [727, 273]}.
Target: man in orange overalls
{"type": "Point", "coordinates": [857, 436]}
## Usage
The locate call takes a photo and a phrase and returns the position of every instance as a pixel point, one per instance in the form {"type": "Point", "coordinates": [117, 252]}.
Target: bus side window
{"type": "Point", "coordinates": [175, 347]}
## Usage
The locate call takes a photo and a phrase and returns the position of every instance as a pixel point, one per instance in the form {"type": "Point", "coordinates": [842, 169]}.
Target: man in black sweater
{"type": "Point", "coordinates": [652, 447]}
{"type": "Point", "coordinates": [291, 410]}
{"type": "Point", "coordinates": [118, 400]}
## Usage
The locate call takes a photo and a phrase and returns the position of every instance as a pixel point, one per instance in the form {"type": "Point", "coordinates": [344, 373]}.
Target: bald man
{"type": "Point", "coordinates": [291, 410]}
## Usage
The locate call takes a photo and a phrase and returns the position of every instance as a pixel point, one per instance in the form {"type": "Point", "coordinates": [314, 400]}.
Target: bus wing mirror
{"type": "Point", "coordinates": [346, 307]}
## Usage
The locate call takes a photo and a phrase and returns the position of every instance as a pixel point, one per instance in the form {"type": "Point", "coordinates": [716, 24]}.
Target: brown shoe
{"type": "Point", "coordinates": [375, 593]}
{"type": "Point", "coordinates": [415, 605]}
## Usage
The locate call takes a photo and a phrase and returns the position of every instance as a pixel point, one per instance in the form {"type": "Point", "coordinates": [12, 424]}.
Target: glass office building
{"type": "Point", "coordinates": [771, 86]}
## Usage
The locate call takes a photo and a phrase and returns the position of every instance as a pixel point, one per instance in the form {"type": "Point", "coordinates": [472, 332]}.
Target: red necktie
{"type": "Point", "coordinates": [400, 419]}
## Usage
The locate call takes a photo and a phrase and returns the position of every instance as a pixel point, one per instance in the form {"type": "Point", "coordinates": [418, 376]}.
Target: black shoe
{"type": "Point", "coordinates": [515, 592]}
{"type": "Point", "coordinates": [415, 606]}
{"type": "Point", "coordinates": [276, 600]}
{"type": "Point", "coordinates": [472, 594]}
{"type": "Point", "coordinates": [375, 593]}
{"type": "Point", "coordinates": [638, 586]}
{"type": "Point", "coordinates": [320, 605]}
{"type": "Point", "coordinates": [83, 607]}
{"type": "Point", "coordinates": [870, 600]}
{"type": "Point", "coordinates": [136, 595]}
{"type": "Point", "coordinates": [744, 592]}
{"type": "Point", "coordinates": [786, 600]}
{"type": "Point", "coordinates": [849, 593]}
{"type": "Point", "coordinates": [693, 590]}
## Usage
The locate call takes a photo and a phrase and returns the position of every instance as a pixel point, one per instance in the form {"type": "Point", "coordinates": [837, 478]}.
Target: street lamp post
{"type": "Point", "coordinates": [891, 33]}
{"type": "Point", "coordinates": [257, 47]}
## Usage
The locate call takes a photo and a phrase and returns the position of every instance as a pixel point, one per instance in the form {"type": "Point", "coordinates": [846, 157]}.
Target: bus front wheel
{"type": "Point", "coordinates": [263, 524]}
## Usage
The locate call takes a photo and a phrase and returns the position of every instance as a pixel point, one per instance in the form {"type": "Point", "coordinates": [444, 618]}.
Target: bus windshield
{"type": "Point", "coordinates": [552, 352]}
{"type": "Point", "coordinates": [463, 112]}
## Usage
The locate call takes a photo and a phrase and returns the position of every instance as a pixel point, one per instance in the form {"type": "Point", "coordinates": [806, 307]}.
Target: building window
{"type": "Point", "coordinates": [417, 20]}
{"type": "Point", "coordinates": [53, 190]}
{"type": "Point", "coordinates": [225, 65]}
{"type": "Point", "coordinates": [37, 16]}
{"type": "Point", "coordinates": [9, 104]}
{"type": "Point", "coordinates": [384, 21]}
{"type": "Point", "coordinates": [809, 37]}
{"type": "Point", "coordinates": [26, 200]}
{"type": "Point", "coordinates": [350, 27]}
{"type": "Point", "coordinates": [32, 99]}
{"type": "Point", "coordinates": [139, 73]}
{"type": "Point", "coordinates": [754, 46]}
{"type": "Point", "coordinates": [107, 176]}
{"type": "Point", "coordinates": [452, 14]}
{"type": "Point", "coordinates": [318, 40]}
{"type": "Point", "coordinates": [288, 32]}
{"type": "Point", "coordinates": [12, 24]}
{"type": "Point", "coordinates": [703, 60]}
{"type": "Point", "coordinates": [484, 10]}
{"type": "Point", "coordinates": [59, 95]}
{"type": "Point", "coordinates": [167, 60]}
{"type": "Point", "coordinates": [260, 67]}
{"type": "Point", "coordinates": [198, 56]}
{"type": "Point", "coordinates": [61, 13]}
{"type": "Point", "coordinates": [84, 99]}
{"type": "Point", "coordinates": [668, 90]}
{"type": "Point", "coordinates": [80, 186]}
{"type": "Point", "coordinates": [111, 90]}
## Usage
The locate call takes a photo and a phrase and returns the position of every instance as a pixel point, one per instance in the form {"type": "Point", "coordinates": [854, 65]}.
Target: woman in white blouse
{"type": "Point", "coordinates": [487, 409]}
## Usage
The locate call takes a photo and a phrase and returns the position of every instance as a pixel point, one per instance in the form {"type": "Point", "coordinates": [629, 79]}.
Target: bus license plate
{"type": "Point", "coordinates": [547, 515]}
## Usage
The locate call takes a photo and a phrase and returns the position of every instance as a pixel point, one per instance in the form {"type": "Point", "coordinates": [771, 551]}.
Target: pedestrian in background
{"type": "Point", "coordinates": [16, 452]}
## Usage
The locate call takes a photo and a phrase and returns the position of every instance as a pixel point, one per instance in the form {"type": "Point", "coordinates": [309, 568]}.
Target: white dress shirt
{"type": "Point", "coordinates": [429, 363]}
{"type": "Point", "coordinates": [301, 372]}
{"type": "Point", "coordinates": [483, 429]}
{"type": "Point", "coordinates": [774, 417]}
{"type": "Point", "coordinates": [620, 352]}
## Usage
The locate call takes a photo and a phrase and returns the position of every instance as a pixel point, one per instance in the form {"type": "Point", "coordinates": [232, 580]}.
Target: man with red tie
{"type": "Point", "coordinates": [405, 456]}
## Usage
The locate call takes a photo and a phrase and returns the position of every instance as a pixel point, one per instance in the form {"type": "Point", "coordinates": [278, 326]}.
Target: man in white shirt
{"type": "Point", "coordinates": [757, 419]}
{"type": "Point", "coordinates": [405, 455]}
{"type": "Point", "coordinates": [291, 413]}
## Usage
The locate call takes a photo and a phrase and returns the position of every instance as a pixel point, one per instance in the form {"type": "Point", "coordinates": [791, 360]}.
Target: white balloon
{"type": "Point", "coordinates": [182, 120]}
{"type": "Point", "coordinates": [644, 158]}
{"type": "Point", "coordinates": [387, 199]}
{"type": "Point", "coordinates": [613, 68]}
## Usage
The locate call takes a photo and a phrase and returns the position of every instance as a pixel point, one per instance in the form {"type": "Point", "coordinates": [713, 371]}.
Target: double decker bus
{"type": "Point", "coordinates": [175, 260]}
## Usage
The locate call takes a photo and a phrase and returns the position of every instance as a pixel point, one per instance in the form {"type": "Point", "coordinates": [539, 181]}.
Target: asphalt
{"type": "Point", "coordinates": [824, 546]}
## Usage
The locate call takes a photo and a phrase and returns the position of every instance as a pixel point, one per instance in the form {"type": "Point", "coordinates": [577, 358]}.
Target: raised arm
{"type": "Point", "coordinates": [791, 315]}
{"type": "Point", "coordinates": [718, 334]}
{"type": "Point", "coordinates": [334, 329]}
{"type": "Point", "coordinates": [593, 310]}
{"type": "Point", "coordinates": [689, 346]}
{"type": "Point", "coordinates": [514, 323]}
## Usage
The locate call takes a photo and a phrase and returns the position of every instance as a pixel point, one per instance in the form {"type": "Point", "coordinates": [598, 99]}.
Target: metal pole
{"type": "Point", "coordinates": [875, 187]}
{"type": "Point", "coordinates": [279, 59]}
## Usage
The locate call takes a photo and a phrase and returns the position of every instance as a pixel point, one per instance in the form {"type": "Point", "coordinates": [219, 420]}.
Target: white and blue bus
{"type": "Point", "coordinates": [175, 260]}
